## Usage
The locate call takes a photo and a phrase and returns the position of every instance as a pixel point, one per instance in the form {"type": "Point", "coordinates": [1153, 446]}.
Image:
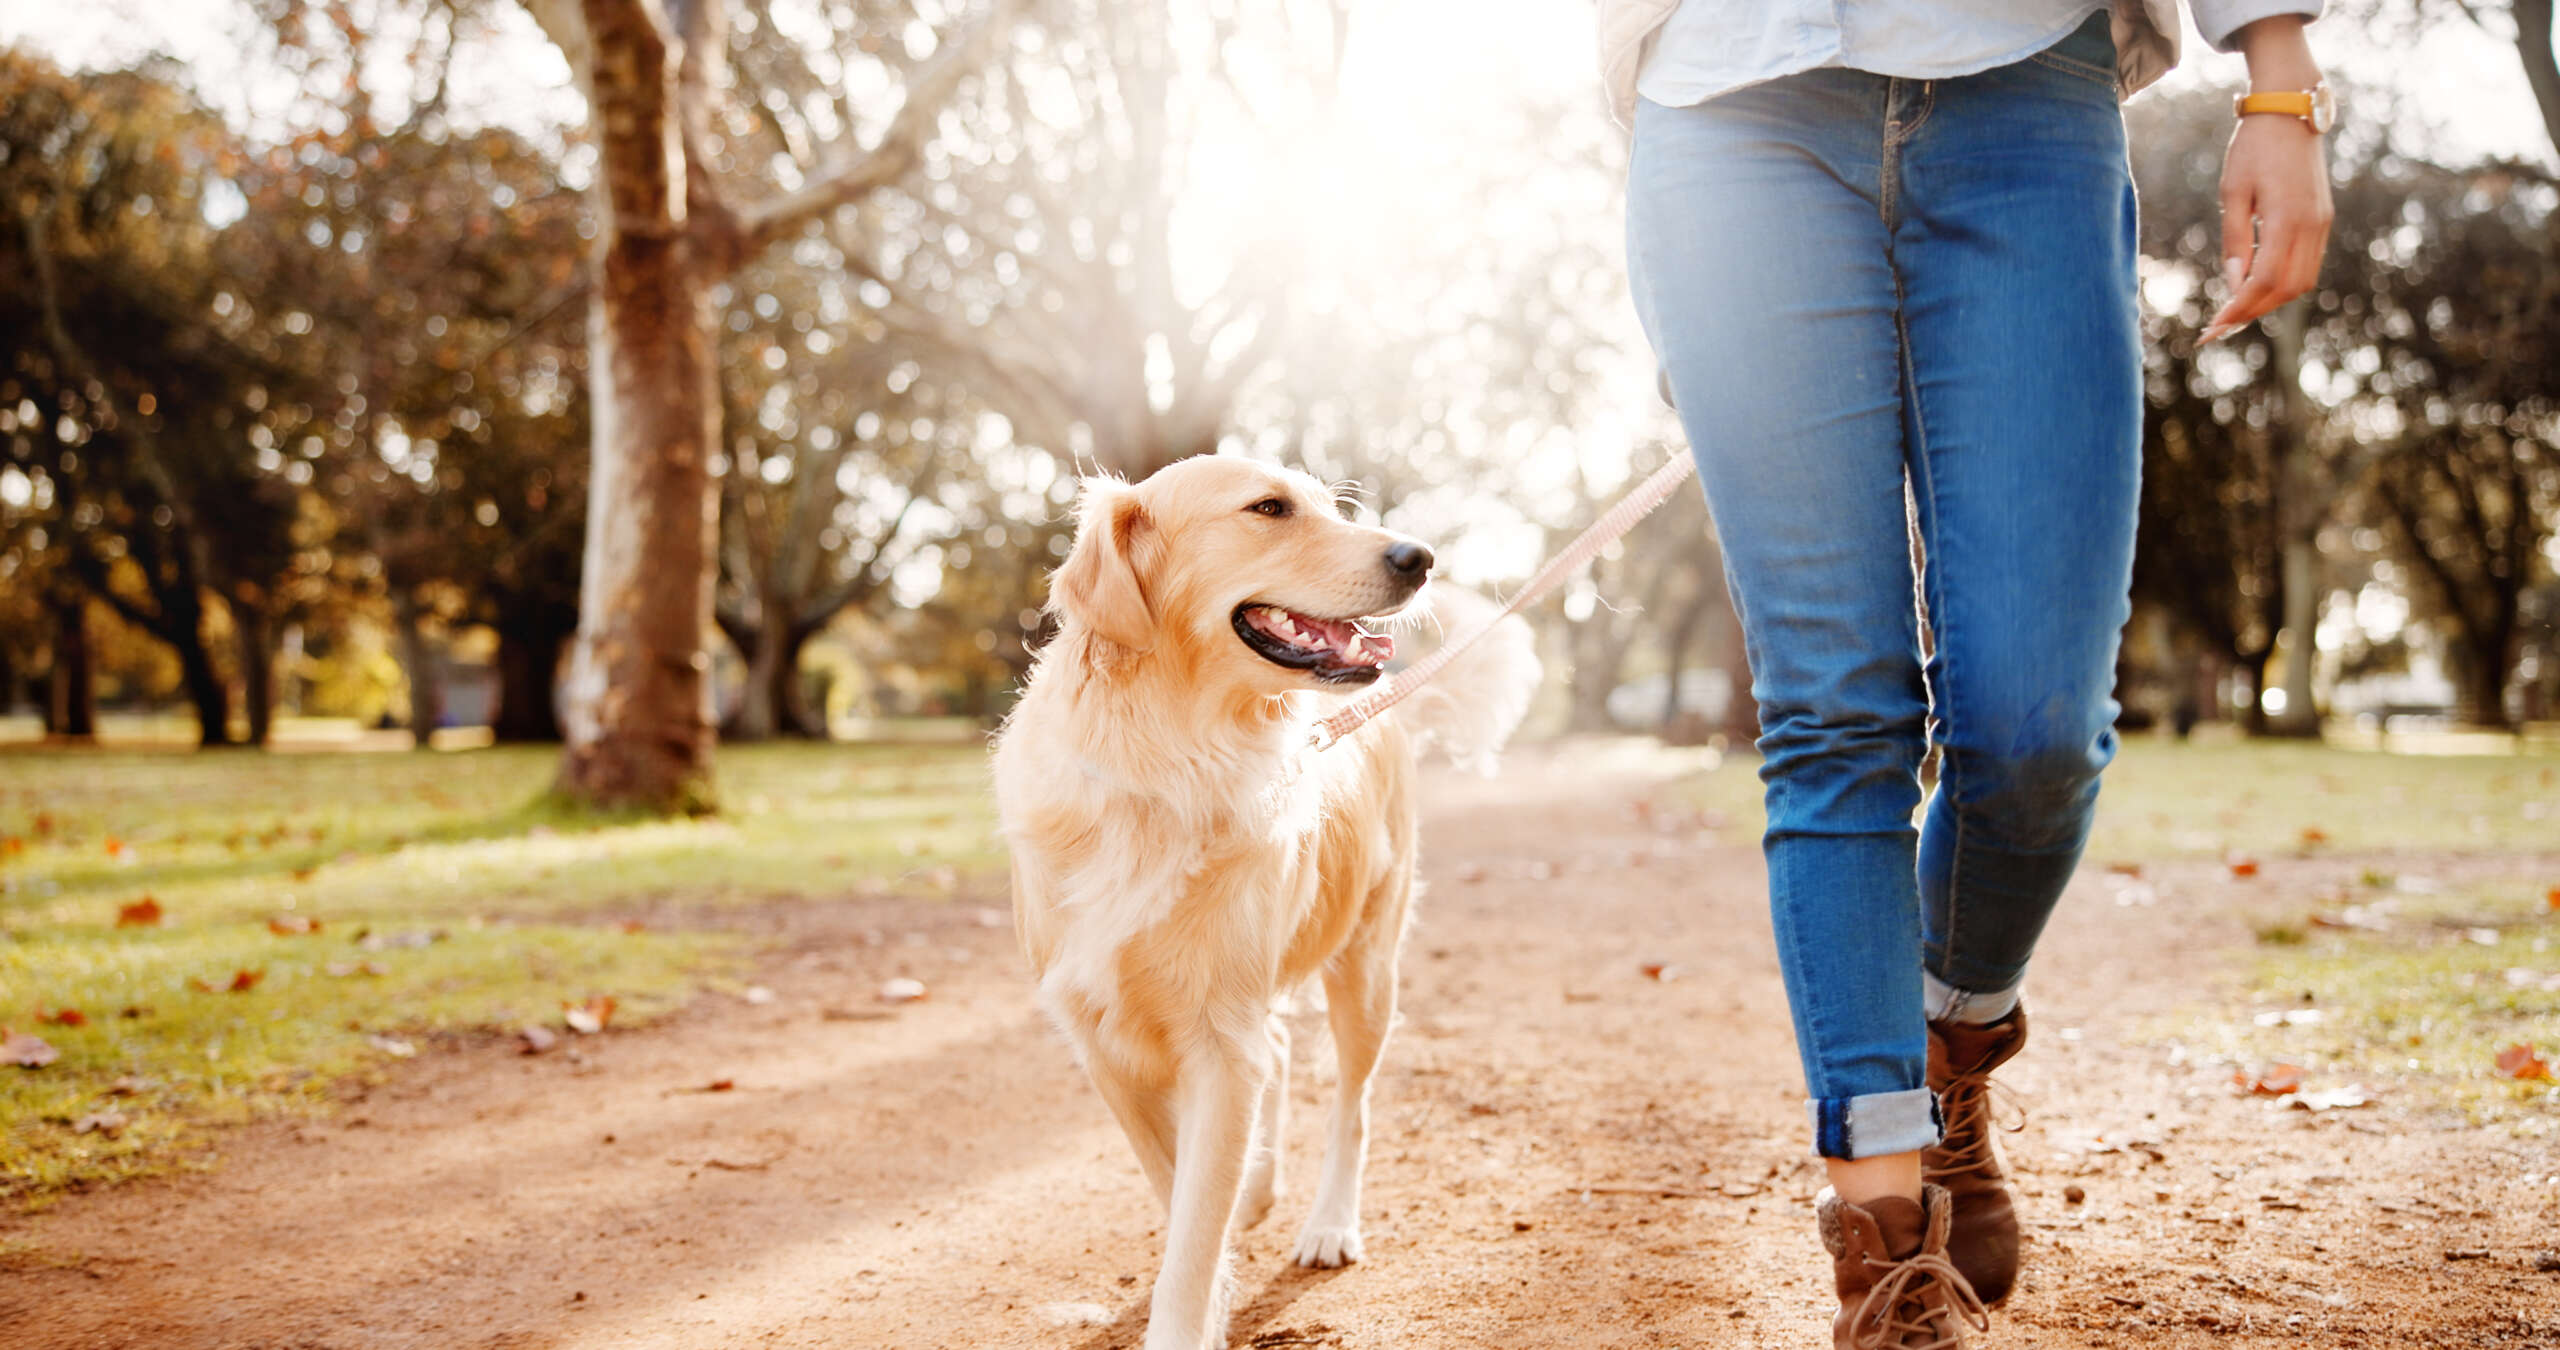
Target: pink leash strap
{"type": "Point", "coordinates": [1608, 529]}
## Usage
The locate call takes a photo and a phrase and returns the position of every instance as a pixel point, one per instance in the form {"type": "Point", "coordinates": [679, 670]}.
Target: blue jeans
{"type": "Point", "coordinates": [1861, 287]}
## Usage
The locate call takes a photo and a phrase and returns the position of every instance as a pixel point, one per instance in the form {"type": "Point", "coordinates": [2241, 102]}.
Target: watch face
{"type": "Point", "coordinates": [2324, 108]}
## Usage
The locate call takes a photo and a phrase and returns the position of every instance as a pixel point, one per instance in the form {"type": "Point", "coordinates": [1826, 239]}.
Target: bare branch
{"type": "Point", "coordinates": [899, 148]}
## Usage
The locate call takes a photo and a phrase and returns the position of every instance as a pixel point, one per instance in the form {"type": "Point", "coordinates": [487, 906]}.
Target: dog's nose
{"type": "Point", "coordinates": [1409, 559]}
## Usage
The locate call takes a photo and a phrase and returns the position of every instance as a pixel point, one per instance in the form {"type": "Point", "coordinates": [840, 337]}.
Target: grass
{"type": "Point", "coordinates": [2214, 797]}
{"type": "Point", "coordinates": [450, 896]}
{"type": "Point", "coordinates": [2425, 1003]}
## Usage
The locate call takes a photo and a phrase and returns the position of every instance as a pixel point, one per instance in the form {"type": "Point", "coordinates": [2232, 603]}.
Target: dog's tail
{"type": "Point", "coordinates": [1477, 701]}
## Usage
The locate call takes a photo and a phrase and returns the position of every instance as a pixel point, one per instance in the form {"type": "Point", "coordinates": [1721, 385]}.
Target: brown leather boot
{"type": "Point", "coordinates": [1897, 1289]}
{"type": "Point", "coordinates": [1983, 1239]}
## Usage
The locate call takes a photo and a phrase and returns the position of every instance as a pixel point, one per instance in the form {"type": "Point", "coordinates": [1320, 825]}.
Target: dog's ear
{"type": "Point", "coordinates": [1099, 584]}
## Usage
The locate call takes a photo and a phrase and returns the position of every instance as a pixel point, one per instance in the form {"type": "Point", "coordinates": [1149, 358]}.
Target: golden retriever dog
{"type": "Point", "coordinates": [1185, 857]}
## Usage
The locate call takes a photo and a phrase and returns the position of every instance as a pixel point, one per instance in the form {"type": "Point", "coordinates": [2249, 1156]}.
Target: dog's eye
{"type": "Point", "coordinates": [1274, 507]}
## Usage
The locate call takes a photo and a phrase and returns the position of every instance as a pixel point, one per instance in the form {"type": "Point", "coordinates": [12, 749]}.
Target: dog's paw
{"type": "Point", "coordinates": [1321, 1248]}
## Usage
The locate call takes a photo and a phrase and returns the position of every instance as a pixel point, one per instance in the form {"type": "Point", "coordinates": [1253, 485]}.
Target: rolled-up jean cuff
{"type": "Point", "coordinates": [1874, 1125]}
{"type": "Point", "coordinates": [1943, 1002]}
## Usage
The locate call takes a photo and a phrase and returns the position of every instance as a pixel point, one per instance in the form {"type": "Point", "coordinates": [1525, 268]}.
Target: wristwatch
{"type": "Point", "coordinates": [2316, 106]}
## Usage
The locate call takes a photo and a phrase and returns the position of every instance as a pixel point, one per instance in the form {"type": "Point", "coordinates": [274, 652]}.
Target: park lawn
{"type": "Point", "coordinates": [2419, 1005]}
{"type": "Point", "coordinates": [449, 894]}
{"type": "Point", "coordinates": [2218, 796]}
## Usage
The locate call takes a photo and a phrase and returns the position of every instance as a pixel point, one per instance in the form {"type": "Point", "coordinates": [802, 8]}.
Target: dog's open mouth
{"type": "Point", "coordinates": [1338, 651]}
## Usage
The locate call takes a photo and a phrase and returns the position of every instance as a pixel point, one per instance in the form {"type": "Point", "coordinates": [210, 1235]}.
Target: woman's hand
{"type": "Point", "coordinates": [2275, 186]}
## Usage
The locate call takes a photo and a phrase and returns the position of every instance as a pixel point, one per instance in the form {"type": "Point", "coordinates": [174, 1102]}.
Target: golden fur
{"type": "Point", "coordinates": [1184, 859]}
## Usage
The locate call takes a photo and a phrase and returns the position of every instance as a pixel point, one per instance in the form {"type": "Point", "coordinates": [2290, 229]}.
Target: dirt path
{"type": "Point", "coordinates": [941, 1179]}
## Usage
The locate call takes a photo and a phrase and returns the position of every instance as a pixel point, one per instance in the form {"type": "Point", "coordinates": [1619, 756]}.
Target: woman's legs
{"type": "Point", "coordinates": [1759, 249]}
{"type": "Point", "coordinates": [1848, 277]}
{"type": "Point", "coordinates": [2015, 246]}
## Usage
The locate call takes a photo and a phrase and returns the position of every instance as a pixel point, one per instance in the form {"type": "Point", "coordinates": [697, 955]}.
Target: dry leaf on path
{"type": "Point", "coordinates": [2525, 1063]}
{"type": "Point", "coordinates": [2275, 1080]}
{"type": "Point", "coordinates": [589, 1017]}
{"type": "Point", "coordinates": [64, 1017]}
{"type": "Point", "coordinates": [1661, 971]}
{"type": "Point", "coordinates": [242, 981]}
{"type": "Point", "coordinates": [293, 925]}
{"type": "Point", "coordinates": [2334, 1099]}
{"type": "Point", "coordinates": [140, 914]}
{"type": "Point", "coordinates": [2244, 867]}
{"type": "Point", "coordinates": [26, 1050]}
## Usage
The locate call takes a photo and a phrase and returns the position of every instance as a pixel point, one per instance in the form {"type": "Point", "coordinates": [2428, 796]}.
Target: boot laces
{"type": "Point", "coordinates": [1907, 1305]}
{"type": "Point", "coordinates": [1969, 1103]}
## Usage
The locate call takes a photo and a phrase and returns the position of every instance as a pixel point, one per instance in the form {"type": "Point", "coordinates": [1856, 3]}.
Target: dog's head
{"type": "Point", "coordinates": [1237, 570]}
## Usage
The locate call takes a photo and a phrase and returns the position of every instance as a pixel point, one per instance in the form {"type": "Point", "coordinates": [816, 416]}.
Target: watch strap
{"type": "Point", "coordinates": [2288, 103]}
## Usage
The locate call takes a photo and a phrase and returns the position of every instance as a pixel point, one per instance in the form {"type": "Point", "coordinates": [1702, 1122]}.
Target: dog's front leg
{"type": "Point", "coordinates": [1262, 1167]}
{"type": "Point", "coordinates": [1213, 1133]}
{"type": "Point", "coordinates": [1360, 1002]}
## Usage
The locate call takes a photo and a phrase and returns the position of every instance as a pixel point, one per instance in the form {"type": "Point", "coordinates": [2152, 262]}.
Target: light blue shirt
{"type": "Point", "coordinates": [1711, 47]}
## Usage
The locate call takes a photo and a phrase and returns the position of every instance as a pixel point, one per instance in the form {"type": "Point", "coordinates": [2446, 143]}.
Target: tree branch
{"type": "Point", "coordinates": [899, 148]}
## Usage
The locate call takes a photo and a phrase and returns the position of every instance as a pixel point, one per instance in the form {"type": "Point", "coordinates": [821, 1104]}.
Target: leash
{"type": "Point", "coordinates": [1607, 530]}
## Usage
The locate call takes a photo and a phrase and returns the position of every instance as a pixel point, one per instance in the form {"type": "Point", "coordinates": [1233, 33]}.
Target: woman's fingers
{"type": "Point", "coordinates": [2275, 220]}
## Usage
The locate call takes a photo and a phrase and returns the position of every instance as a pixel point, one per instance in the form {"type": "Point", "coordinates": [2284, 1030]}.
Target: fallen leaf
{"type": "Point", "coordinates": [2313, 836]}
{"type": "Point", "coordinates": [1660, 971]}
{"type": "Point", "coordinates": [26, 1049]}
{"type": "Point", "coordinates": [293, 925]}
{"type": "Point", "coordinates": [2523, 1062]}
{"type": "Point", "coordinates": [532, 1039]}
{"type": "Point", "coordinates": [721, 1085]}
{"type": "Point", "coordinates": [64, 1017]}
{"type": "Point", "coordinates": [589, 1017]}
{"type": "Point", "coordinates": [141, 913]}
{"type": "Point", "coordinates": [108, 1123]}
{"type": "Point", "coordinates": [902, 990]}
{"type": "Point", "coordinates": [2125, 869]}
{"type": "Point", "coordinates": [115, 847]}
{"type": "Point", "coordinates": [2275, 1080]}
{"type": "Point", "coordinates": [13, 845]}
{"type": "Point", "coordinates": [2551, 899]}
{"type": "Point", "coordinates": [305, 873]}
{"type": "Point", "coordinates": [242, 981]}
{"type": "Point", "coordinates": [2334, 1099]}
{"type": "Point", "coordinates": [2244, 867]}
{"type": "Point", "coordinates": [631, 926]}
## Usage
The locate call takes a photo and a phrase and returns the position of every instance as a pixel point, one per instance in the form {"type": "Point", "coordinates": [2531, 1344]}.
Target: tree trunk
{"type": "Point", "coordinates": [71, 704]}
{"type": "Point", "coordinates": [2298, 524]}
{"type": "Point", "coordinates": [639, 729]}
{"type": "Point", "coordinates": [418, 660]}
{"type": "Point", "coordinates": [1741, 710]}
{"type": "Point", "coordinates": [2488, 662]}
{"type": "Point", "coordinates": [2541, 66]}
{"type": "Point", "coordinates": [253, 638]}
{"type": "Point", "coordinates": [528, 665]}
{"type": "Point", "coordinates": [204, 684]}
{"type": "Point", "coordinates": [772, 704]}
